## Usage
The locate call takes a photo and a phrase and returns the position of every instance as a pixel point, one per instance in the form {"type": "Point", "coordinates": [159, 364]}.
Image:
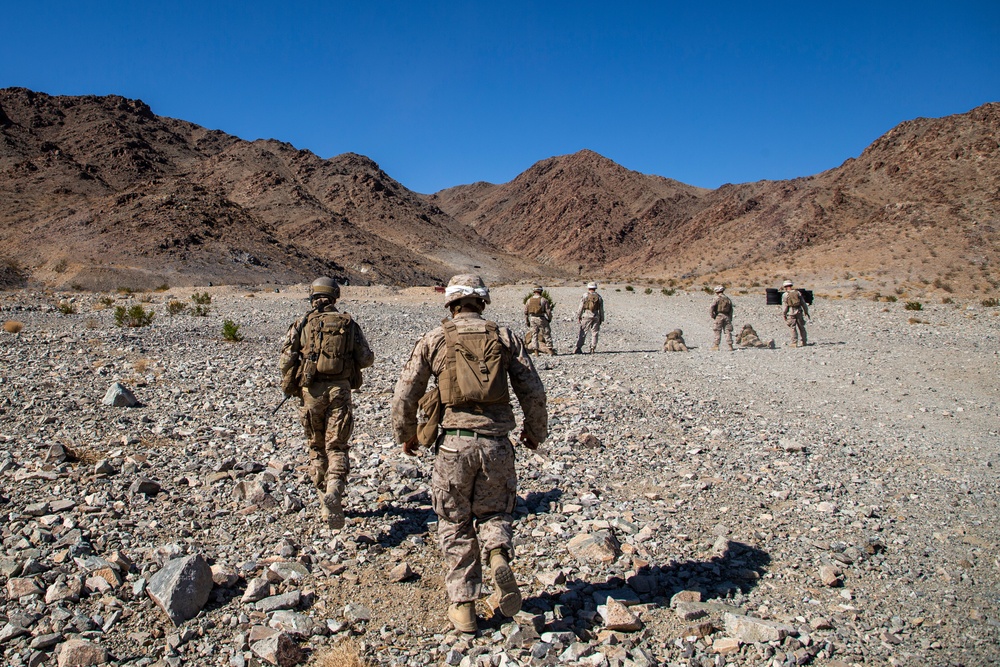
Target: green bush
{"type": "Point", "coordinates": [136, 316]}
{"type": "Point", "coordinates": [913, 305]}
{"type": "Point", "coordinates": [175, 307]}
{"type": "Point", "coordinates": [992, 302]}
{"type": "Point", "coordinates": [200, 310]}
{"type": "Point", "coordinates": [891, 299]}
{"type": "Point", "coordinates": [668, 292]}
{"type": "Point", "coordinates": [648, 290]}
{"type": "Point", "coordinates": [162, 288]}
{"type": "Point", "coordinates": [629, 288]}
{"type": "Point", "coordinates": [231, 331]}
{"type": "Point", "coordinates": [66, 307]}
{"type": "Point", "coordinates": [707, 290]}
{"type": "Point", "coordinates": [202, 299]}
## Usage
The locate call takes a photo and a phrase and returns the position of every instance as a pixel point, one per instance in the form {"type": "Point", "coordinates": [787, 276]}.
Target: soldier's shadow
{"type": "Point", "coordinates": [717, 578]}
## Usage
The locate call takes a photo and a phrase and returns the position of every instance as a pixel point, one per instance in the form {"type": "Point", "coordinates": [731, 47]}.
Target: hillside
{"type": "Point", "coordinates": [102, 193]}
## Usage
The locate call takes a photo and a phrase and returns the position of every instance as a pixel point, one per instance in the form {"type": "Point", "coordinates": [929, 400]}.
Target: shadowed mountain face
{"type": "Point", "coordinates": [98, 191]}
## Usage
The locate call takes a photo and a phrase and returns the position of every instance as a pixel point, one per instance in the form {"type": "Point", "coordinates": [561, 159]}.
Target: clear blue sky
{"type": "Point", "coordinates": [445, 93]}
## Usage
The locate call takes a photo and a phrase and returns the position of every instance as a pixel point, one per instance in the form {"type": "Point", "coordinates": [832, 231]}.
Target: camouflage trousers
{"type": "Point", "coordinates": [588, 326]}
{"type": "Point", "coordinates": [723, 323]}
{"type": "Point", "coordinates": [474, 488]}
{"type": "Point", "coordinates": [328, 422]}
{"type": "Point", "coordinates": [539, 336]}
{"type": "Point", "coordinates": [797, 323]}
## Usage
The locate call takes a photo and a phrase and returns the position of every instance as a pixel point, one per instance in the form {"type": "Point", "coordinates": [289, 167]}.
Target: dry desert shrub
{"type": "Point", "coordinates": [916, 320]}
{"type": "Point", "coordinates": [344, 654]}
{"type": "Point", "coordinates": [13, 326]}
{"type": "Point", "coordinates": [82, 454]}
{"type": "Point", "coordinates": [142, 365]}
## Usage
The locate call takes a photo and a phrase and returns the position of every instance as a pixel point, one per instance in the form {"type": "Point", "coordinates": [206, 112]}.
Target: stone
{"type": "Point", "coordinates": [726, 645]}
{"type": "Point", "coordinates": [119, 396]}
{"type": "Point", "coordinates": [289, 570]}
{"type": "Point", "coordinates": [830, 576]}
{"type": "Point", "coordinates": [279, 649]}
{"type": "Point", "coordinates": [598, 547]}
{"type": "Point", "coordinates": [257, 589]}
{"type": "Point", "coordinates": [751, 630]}
{"type": "Point", "coordinates": [81, 653]}
{"type": "Point", "coordinates": [224, 576]}
{"type": "Point", "coordinates": [685, 596]}
{"type": "Point", "coordinates": [355, 612]}
{"type": "Point", "coordinates": [551, 578]}
{"type": "Point", "coordinates": [400, 573]}
{"type": "Point", "coordinates": [20, 586]}
{"type": "Point", "coordinates": [293, 623]}
{"type": "Point", "coordinates": [690, 611]}
{"type": "Point", "coordinates": [181, 587]}
{"type": "Point", "coordinates": [618, 617]}
{"type": "Point", "coordinates": [146, 487]}
{"type": "Point", "coordinates": [289, 600]}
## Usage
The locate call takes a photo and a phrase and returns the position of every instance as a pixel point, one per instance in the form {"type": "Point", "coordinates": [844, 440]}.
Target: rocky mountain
{"type": "Point", "coordinates": [100, 192]}
{"type": "Point", "coordinates": [919, 205]}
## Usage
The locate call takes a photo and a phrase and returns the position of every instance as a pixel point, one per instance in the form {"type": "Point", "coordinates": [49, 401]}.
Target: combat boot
{"type": "Point", "coordinates": [714, 348]}
{"type": "Point", "coordinates": [730, 347]}
{"type": "Point", "coordinates": [508, 597]}
{"type": "Point", "coordinates": [463, 616]}
{"type": "Point", "coordinates": [333, 510]}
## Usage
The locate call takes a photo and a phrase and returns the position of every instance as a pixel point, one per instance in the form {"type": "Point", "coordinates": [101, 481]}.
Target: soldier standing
{"type": "Point", "coordinates": [589, 316]}
{"type": "Point", "coordinates": [721, 313]}
{"type": "Point", "coordinates": [474, 482]}
{"type": "Point", "coordinates": [321, 361]}
{"type": "Point", "coordinates": [794, 310]}
{"type": "Point", "coordinates": [537, 317]}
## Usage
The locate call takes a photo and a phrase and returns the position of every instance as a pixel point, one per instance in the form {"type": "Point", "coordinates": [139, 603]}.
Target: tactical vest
{"type": "Point", "coordinates": [475, 371]}
{"type": "Point", "coordinates": [535, 307]}
{"type": "Point", "coordinates": [793, 299]}
{"type": "Point", "coordinates": [591, 302]}
{"type": "Point", "coordinates": [329, 344]}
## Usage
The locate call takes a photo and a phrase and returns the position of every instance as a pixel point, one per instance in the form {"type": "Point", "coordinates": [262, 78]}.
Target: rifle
{"type": "Point", "coordinates": [275, 411]}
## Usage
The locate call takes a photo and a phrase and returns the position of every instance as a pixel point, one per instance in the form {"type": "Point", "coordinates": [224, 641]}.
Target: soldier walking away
{"type": "Point", "coordinates": [794, 310]}
{"type": "Point", "coordinates": [474, 483]}
{"type": "Point", "coordinates": [321, 362]}
{"type": "Point", "coordinates": [675, 342]}
{"type": "Point", "coordinates": [748, 338]}
{"type": "Point", "coordinates": [537, 317]}
{"type": "Point", "coordinates": [589, 316]}
{"type": "Point", "coordinates": [721, 313]}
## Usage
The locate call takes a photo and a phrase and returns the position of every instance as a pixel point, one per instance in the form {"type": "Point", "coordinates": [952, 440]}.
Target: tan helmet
{"type": "Point", "coordinates": [538, 288]}
{"type": "Point", "coordinates": [719, 289]}
{"type": "Point", "coordinates": [591, 285]}
{"type": "Point", "coordinates": [787, 283]}
{"type": "Point", "coordinates": [465, 285]}
{"type": "Point", "coordinates": [324, 287]}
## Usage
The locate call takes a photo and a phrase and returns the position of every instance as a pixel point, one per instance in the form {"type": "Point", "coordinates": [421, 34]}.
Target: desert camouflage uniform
{"type": "Point", "coordinates": [795, 318]}
{"type": "Point", "coordinates": [539, 336]}
{"type": "Point", "coordinates": [722, 321]}
{"type": "Point", "coordinates": [474, 484]}
{"type": "Point", "coordinates": [590, 323]}
{"type": "Point", "coordinates": [325, 412]}
{"type": "Point", "coordinates": [675, 342]}
{"type": "Point", "coordinates": [748, 338]}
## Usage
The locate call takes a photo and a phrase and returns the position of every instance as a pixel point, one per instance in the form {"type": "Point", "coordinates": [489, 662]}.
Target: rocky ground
{"type": "Point", "coordinates": [828, 505]}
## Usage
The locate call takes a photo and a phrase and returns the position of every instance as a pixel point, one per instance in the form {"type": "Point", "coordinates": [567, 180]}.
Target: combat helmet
{"type": "Point", "coordinates": [591, 285]}
{"type": "Point", "coordinates": [719, 289]}
{"type": "Point", "coordinates": [465, 285]}
{"type": "Point", "coordinates": [787, 283]}
{"type": "Point", "coordinates": [324, 287]}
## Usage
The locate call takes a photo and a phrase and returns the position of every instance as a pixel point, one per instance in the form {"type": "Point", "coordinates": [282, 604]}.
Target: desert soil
{"type": "Point", "coordinates": [843, 494]}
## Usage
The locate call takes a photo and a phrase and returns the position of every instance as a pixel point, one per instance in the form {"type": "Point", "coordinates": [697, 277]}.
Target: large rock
{"type": "Point", "coordinates": [119, 396]}
{"type": "Point", "coordinates": [181, 588]}
{"type": "Point", "coordinates": [279, 649]}
{"type": "Point", "coordinates": [749, 629]}
{"type": "Point", "coordinates": [599, 547]}
{"type": "Point", "coordinates": [618, 617]}
{"type": "Point", "coordinates": [80, 653]}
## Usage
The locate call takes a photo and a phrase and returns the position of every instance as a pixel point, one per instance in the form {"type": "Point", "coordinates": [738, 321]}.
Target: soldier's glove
{"type": "Point", "coordinates": [528, 441]}
{"type": "Point", "coordinates": [288, 385]}
{"type": "Point", "coordinates": [411, 446]}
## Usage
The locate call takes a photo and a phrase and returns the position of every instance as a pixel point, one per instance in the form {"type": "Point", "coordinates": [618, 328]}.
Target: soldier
{"type": "Point", "coordinates": [721, 313]}
{"type": "Point", "coordinates": [321, 362]}
{"type": "Point", "coordinates": [589, 316]}
{"type": "Point", "coordinates": [794, 310]}
{"type": "Point", "coordinates": [537, 316]}
{"type": "Point", "coordinates": [675, 342]}
{"type": "Point", "coordinates": [474, 483]}
{"type": "Point", "coordinates": [748, 338]}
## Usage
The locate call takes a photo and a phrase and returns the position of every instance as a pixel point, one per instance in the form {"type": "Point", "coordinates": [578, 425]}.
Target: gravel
{"type": "Point", "coordinates": [834, 504]}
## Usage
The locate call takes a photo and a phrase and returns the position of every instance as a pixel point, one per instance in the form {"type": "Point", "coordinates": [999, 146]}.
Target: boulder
{"type": "Point", "coordinates": [181, 588]}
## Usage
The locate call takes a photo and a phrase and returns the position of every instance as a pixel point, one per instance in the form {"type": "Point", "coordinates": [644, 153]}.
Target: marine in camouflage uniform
{"type": "Point", "coordinates": [590, 316]}
{"type": "Point", "coordinates": [721, 313]}
{"type": "Point", "coordinates": [748, 338]}
{"type": "Point", "coordinates": [474, 483]}
{"type": "Point", "coordinates": [537, 317]}
{"type": "Point", "coordinates": [325, 411]}
{"type": "Point", "coordinates": [794, 314]}
{"type": "Point", "coordinates": [675, 342]}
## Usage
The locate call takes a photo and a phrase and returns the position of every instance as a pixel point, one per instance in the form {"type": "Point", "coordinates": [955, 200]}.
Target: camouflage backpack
{"type": "Point", "coordinates": [724, 305]}
{"type": "Point", "coordinates": [475, 369]}
{"type": "Point", "coordinates": [793, 299]}
{"type": "Point", "coordinates": [591, 302]}
{"type": "Point", "coordinates": [534, 306]}
{"type": "Point", "coordinates": [330, 345]}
